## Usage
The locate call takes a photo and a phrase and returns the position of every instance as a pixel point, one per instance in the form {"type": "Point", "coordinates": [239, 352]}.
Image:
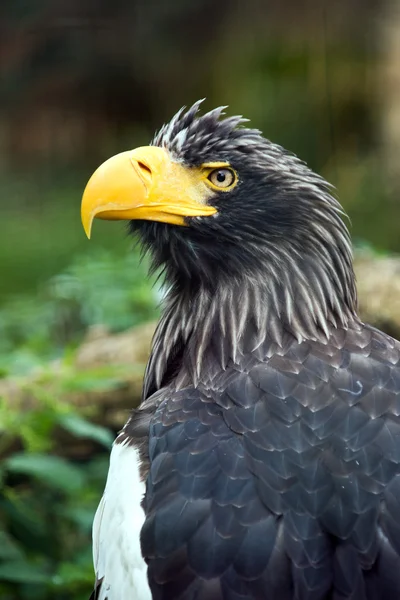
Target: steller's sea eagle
{"type": "Point", "coordinates": [264, 460]}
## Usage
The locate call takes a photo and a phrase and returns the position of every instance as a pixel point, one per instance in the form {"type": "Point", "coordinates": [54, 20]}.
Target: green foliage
{"type": "Point", "coordinates": [48, 499]}
{"type": "Point", "coordinates": [108, 289]}
{"type": "Point", "coordinates": [47, 504]}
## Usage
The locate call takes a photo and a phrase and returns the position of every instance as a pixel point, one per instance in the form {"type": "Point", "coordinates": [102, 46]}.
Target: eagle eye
{"type": "Point", "coordinates": [223, 178]}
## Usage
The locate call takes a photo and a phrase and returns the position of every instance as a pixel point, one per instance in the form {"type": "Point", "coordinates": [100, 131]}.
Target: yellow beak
{"type": "Point", "coordinates": [144, 184]}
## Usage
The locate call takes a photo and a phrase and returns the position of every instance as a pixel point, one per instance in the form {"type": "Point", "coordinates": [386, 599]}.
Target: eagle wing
{"type": "Point", "coordinates": [280, 476]}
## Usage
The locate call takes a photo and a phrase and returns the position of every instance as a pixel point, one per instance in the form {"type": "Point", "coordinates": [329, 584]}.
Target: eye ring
{"type": "Point", "coordinates": [222, 178]}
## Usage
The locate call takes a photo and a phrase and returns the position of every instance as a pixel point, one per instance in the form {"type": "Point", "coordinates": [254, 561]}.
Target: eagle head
{"type": "Point", "coordinates": [215, 203]}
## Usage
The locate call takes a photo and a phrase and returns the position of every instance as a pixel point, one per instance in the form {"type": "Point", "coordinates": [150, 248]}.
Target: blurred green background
{"type": "Point", "coordinates": [83, 80]}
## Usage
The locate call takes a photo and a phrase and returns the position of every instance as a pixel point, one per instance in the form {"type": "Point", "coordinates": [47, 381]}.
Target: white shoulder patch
{"type": "Point", "coordinates": [119, 518]}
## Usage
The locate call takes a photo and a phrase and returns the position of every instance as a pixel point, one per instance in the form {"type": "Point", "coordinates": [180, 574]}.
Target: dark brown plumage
{"type": "Point", "coordinates": [269, 432]}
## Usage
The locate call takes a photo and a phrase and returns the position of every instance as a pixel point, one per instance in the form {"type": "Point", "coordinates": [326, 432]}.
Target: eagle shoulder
{"type": "Point", "coordinates": [281, 473]}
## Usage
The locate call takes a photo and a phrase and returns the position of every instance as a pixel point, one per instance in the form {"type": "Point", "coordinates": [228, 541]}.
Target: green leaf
{"type": "Point", "coordinates": [71, 573]}
{"type": "Point", "coordinates": [53, 470]}
{"type": "Point", "coordinates": [82, 517]}
{"type": "Point", "coordinates": [81, 428]}
{"type": "Point", "coordinates": [8, 548]}
{"type": "Point", "coordinates": [22, 572]}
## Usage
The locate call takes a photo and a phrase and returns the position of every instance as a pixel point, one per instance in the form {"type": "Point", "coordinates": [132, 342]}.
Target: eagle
{"type": "Point", "coordinates": [263, 462]}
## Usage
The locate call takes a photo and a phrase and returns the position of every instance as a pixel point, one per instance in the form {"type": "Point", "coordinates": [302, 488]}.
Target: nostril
{"type": "Point", "coordinates": [144, 167]}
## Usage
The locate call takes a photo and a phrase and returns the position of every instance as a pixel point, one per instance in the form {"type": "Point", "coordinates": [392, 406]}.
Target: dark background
{"type": "Point", "coordinates": [82, 80]}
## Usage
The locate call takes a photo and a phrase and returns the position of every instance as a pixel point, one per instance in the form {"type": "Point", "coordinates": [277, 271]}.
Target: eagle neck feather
{"type": "Point", "coordinates": [204, 329]}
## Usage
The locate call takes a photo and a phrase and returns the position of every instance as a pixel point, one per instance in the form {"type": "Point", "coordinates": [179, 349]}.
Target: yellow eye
{"type": "Point", "coordinates": [223, 178]}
